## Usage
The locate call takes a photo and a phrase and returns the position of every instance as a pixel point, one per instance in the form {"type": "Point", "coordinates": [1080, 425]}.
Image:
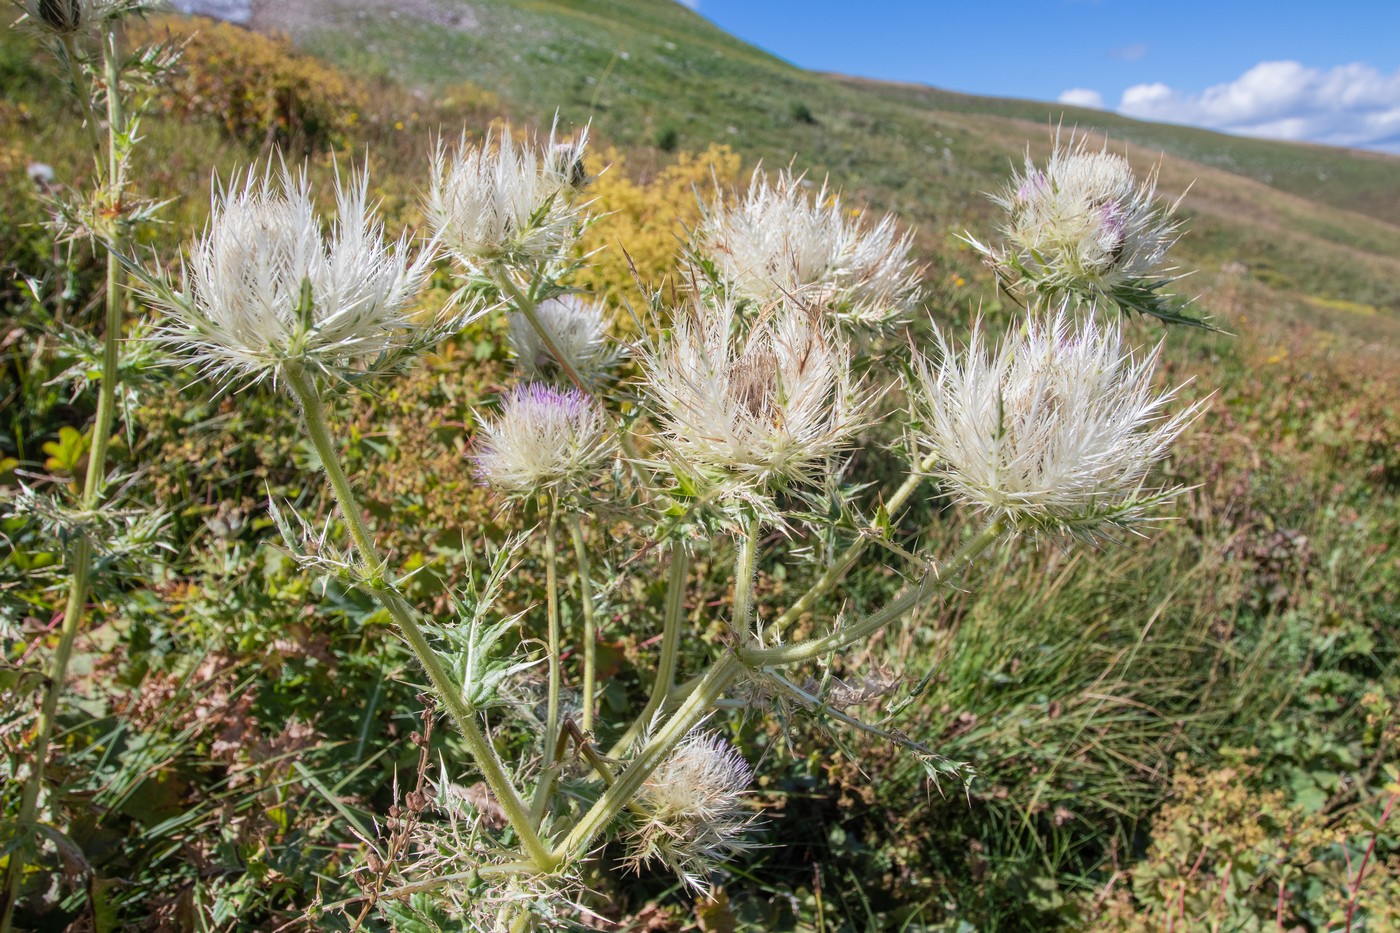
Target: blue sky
{"type": "Point", "coordinates": [1327, 71]}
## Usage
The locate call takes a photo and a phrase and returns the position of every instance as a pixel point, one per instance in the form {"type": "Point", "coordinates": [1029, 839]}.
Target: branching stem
{"type": "Point", "coordinates": [93, 484]}
{"type": "Point", "coordinates": [304, 388]}
{"type": "Point", "coordinates": [729, 667]}
{"type": "Point", "coordinates": [837, 571]}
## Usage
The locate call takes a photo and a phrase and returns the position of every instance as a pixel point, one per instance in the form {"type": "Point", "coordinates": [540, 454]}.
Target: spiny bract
{"type": "Point", "coordinates": [544, 440]}
{"type": "Point", "coordinates": [694, 805]}
{"type": "Point", "coordinates": [506, 202]}
{"type": "Point", "coordinates": [754, 410]}
{"type": "Point", "coordinates": [1084, 224]}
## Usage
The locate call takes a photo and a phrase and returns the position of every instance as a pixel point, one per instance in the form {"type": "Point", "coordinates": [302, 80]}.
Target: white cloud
{"type": "Point", "coordinates": [1349, 105]}
{"type": "Point", "coordinates": [1130, 53]}
{"type": "Point", "coordinates": [1082, 97]}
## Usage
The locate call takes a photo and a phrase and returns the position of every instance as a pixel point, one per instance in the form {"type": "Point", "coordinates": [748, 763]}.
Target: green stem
{"type": "Point", "coordinates": [616, 797]}
{"type": "Point", "coordinates": [83, 90]}
{"type": "Point", "coordinates": [745, 569]}
{"type": "Point", "coordinates": [838, 569]}
{"type": "Point", "coordinates": [554, 737]}
{"type": "Point", "coordinates": [526, 305]}
{"type": "Point", "coordinates": [96, 477]}
{"type": "Point", "coordinates": [670, 650]}
{"type": "Point", "coordinates": [116, 296]}
{"type": "Point", "coordinates": [783, 655]}
{"type": "Point", "coordinates": [304, 388]}
{"type": "Point", "coordinates": [590, 633]}
{"type": "Point", "coordinates": [551, 586]}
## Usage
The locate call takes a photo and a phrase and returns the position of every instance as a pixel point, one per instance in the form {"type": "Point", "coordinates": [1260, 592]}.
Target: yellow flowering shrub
{"type": "Point", "coordinates": [651, 217]}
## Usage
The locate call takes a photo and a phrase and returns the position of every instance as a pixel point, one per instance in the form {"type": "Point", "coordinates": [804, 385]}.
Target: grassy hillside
{"type": "Point", "coordinates": [1320, 227]}
{"type": "Point", "coordinates": [1360, 181]}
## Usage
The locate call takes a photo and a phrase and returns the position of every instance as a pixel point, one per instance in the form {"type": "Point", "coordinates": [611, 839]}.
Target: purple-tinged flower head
{"type": "Point", "coordinates": [1031, 186]}
{"type": "Point", "coordinates": [1111, 218]}
{"type": "Point", "coordinates": [545, 440]}
{"type": "Point", "coordinates": [1083, 226]}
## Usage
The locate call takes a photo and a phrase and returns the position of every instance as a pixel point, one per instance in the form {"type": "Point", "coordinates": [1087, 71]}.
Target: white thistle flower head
{"type": "Point", "coordinates": [781, 242]}
{"type": "Point", "coordinates": [1084, 224]}
{"type": "Point", "coordinates": [545, 440]}
{"type": "Point", "coordinates": [266, 287]}
{"type": "Point", "coordinates": [1056, 431]}
{"type": "Point", "coordinates": [754, 411]}
{"type": "Point", "coordinates": [579, 331]}
{"type": "Point", "coordinates": [504, 202]}
{"type": "Point", "coordinates": [695, 814]}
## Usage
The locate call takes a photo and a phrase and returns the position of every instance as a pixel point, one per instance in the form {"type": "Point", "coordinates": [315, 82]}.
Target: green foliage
{"type": "Point", "coordinates": [1227, 854]}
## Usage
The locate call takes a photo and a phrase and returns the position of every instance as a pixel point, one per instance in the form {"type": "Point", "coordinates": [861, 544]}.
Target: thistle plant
{"type": "Point", "coordinates": [1084, 228]}
{"type": "Point", "coordinates": [510, 215]}
{"type": "Point", "coordinates": [546, 441]}
{"type": "Point", "coordinates": [738, 419]}
{"type": "Point", "coordinates": [692, 813]}
{"type": "Point", "coordinates": [108, 84]}
{"type": "Point", "coordinates": [267, 291]}
{"type": "Point", "coordinates": [755, 409]}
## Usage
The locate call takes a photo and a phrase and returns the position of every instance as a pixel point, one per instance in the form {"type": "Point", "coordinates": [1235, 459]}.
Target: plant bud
{"type": "Point", "coordinates": [63, 17]}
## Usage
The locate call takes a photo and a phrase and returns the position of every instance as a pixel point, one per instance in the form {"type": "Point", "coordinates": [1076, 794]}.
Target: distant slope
{"type": "Point", "coordinates": [1317, 224]}
{"type": "Point", "coordinates": [1366, 182]}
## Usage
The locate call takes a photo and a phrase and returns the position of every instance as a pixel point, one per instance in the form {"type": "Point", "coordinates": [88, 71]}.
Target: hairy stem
{"type": "Point", "coordinates": [551, 586]}
{"type": "Point", "coordinates": [95, 480]}
{"type": "Point", "coordinates": [449, 693]}
{"type": "Point", "coordinates": [116, 293]}
{"type": "Point", "coordinates": [670, 650]}
{"type": "Point", "coordinates": [553, 737]}
{"type": "Point", "coordinates": [84, 93]}
{"type": "Point", "coordinates": [590, 632]}
{"type": "Point", "coordinates": [745, 569]}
